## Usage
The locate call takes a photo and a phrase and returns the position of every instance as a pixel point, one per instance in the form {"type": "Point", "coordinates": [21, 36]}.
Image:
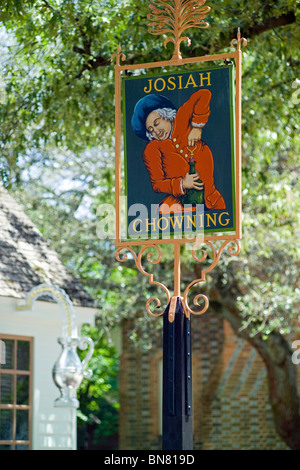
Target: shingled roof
{"type": "Point", "coordinates": [26, 259]}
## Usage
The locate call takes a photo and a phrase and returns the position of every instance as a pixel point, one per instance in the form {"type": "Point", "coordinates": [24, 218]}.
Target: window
{"type": "Point", "coordinates": [15, 392]}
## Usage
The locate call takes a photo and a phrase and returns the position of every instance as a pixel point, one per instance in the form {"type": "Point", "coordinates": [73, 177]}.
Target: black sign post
{"type": "Point", "coordinates": [177, 381]}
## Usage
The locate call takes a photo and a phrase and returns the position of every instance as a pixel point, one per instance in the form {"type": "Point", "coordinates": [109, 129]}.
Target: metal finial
{"type": "Point", "coordinates": [173, 17]}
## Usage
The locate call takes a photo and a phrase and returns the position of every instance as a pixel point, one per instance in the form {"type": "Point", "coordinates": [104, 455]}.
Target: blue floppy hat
{"type": "Point", "coordinates": [143, 108]}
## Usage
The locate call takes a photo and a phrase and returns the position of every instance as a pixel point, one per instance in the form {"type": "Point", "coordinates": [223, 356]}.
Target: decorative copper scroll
{"type": "Point", "coordinates": [121, 257]}
{"type": "Point", "coordinates": [216, 257]}
{"type": "Point", "coordinates": [172, 18]}
{"type": "Point", "coordinates": [138, 261]}
{"type": "Point", "coordinates": [119, 55]}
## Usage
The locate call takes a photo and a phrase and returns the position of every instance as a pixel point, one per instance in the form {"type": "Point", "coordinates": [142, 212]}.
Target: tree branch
{"type": "Point", "coordinates": [250, 32]}
{"type": "Point", "coordinates": [48, 5]}
{"type": "Point", "coordinates": [271, 23]}
{"type": "Point", "coordinates": [276, 353]}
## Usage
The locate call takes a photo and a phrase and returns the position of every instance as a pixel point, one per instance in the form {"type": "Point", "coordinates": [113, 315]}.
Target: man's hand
{"type": "Point", "coordinates": [194, 136]}
{"type": "Point", "coordinates": [190, 182]}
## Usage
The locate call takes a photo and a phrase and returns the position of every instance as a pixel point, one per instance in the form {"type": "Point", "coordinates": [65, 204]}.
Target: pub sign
{"type": "Point", "coordinates": [179, 153]}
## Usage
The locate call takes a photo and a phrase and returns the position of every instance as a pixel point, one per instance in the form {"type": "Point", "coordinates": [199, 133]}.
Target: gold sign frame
{"type": "Point", "coordinates": [172, 18]}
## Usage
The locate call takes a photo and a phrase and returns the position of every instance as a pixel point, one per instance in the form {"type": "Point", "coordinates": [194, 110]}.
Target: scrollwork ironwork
{"type": "Point", "coordinates": [233, 251]}
{"type": "Point", "coordinates": [138, 261]}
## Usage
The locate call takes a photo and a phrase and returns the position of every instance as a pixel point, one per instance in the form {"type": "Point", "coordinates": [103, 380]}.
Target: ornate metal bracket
{"type": "Point", "coordinates": [69, 324]}
{"type": "Point", "coordinates": [138, 261]}
{"type": "Point", "coordinates": [232, 250]}
{"type": "Point", "coordinates": [68, 371]}
{"type": "Point", "coordinates": [119, 55]}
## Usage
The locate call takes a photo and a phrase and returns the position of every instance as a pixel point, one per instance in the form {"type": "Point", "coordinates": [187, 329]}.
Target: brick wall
{"type": "Point", "coordinates": [230, 394]}
{"type": "Point", "coordinates": [139, 397]}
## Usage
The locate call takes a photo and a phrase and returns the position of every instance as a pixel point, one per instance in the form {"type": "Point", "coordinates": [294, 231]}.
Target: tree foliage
{"type": "Point", "coordinates": [98, 396]}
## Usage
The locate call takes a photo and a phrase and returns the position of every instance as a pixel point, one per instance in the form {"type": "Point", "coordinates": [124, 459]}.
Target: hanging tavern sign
{"type": "Point", "coordinates": [180, 153]}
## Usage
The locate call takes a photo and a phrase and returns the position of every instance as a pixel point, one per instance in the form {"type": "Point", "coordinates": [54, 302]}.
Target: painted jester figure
{"type": "Point", "coordinates": [171, 134]}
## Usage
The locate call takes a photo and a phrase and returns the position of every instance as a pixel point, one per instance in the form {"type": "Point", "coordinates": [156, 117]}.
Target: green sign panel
{"type": "Point", "coordinates": [179, 153]}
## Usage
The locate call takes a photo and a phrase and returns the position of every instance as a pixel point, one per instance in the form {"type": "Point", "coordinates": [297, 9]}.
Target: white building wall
{"type": "Point", "coordinates": [52, 428]}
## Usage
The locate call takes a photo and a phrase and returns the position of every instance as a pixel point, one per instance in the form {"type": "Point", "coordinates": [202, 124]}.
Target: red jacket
{"type": "Point", "coordinates": [167, 160]}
